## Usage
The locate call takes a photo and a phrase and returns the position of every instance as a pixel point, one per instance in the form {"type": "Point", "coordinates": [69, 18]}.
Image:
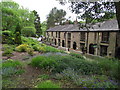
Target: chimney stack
{"type": "Point", "coordinates": [76, 22]}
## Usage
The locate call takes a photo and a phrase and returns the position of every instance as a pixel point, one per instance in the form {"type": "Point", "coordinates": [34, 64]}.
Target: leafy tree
{"type": "Point", "coordinates": [44, 27]}
{"type": "Point", "coordinates": [12, 13]}
{"type": "Point", "coordinates": [100, 11]}
{"type": "Point", "coordinates": [55, 17]}
{"type": "Point", "coordinates": [37, 23]}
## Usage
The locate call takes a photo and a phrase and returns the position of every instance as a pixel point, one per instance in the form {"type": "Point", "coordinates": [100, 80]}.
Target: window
{"type": "Point", "coordinates": [51, 33]}
{"type": "Point", "coordinates": [58, 42]}
{"type": "Point", "coordinates": [69, 36]}
{"type": "Point", "coordinates": [56, 34]}
{"type": "Point", "coordinates": [65, 35]}
{"type": "Point", "coordinates": [69, 44]}
{"type": "Point", "coordinates": [103, 50]}
{"type": "Point", "coordinates": [82, 46]}
{"type": "Point", "coordinates": [82, 38]}
{"type": "Point", "coordinates": [105, 37]}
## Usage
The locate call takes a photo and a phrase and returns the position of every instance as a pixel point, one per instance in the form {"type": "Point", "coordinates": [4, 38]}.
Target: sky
{"type": "Point", "coordinates": [43, 7]}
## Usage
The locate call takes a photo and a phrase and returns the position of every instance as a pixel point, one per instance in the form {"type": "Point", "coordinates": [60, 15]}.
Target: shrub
{"type": "Point", "coordinates": [41, 49]}
{"type": "Point", "coordinates": [48, 84]}
{"type": "Point", "coordinates": [77, 55]}
{"type": "Point", "coordinates": [44, 62]}
{"type": "Point", "coordinates": [44, 76]}
{"type": "Point", "coordinates": [30, 51]}
{"type": "Point", "coordinates": [28, 31]}
{"type": "Point", "coordinates": [11, 67]}
{"type": "Point", "coordinates": [96, 82]}
{"type": "Point", "coordinates": [22, 48]}
{"type": "Point", "coordinates": [109, 67]}
{"type": "Point", "coordinates": [6, 47]}
{"type": "Point", "coordinates": [7, 37]}
{"type": "Point", "coordinates": [51, 49]}
{"type": "Point", "coordinates": [7, 52]}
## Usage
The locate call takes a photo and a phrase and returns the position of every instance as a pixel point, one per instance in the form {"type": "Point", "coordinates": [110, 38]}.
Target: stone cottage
{"type": "Point", "coordinates": [101, 39]}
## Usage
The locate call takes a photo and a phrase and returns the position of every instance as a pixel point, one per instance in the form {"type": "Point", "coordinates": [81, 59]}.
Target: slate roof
{"type": "Point", "coordinates": [110, 25]}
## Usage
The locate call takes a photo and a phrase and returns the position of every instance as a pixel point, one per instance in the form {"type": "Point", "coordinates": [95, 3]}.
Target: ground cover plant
{"type": "Point", "coordinates": [82, 72]}
{"type": "Point", "coordinates": [47, 84]}
{"type": "Point", "coordinates": [11, 67]}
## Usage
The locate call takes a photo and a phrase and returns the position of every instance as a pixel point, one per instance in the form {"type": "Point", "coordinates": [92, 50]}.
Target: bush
{"type": "Point", "coordinates": [51, 49]}
{"type": "Point", "coordinates": [96, 82]}
{"type": "Point", "coordinates": [58, 63]}
{"type": "Point", "coordinates": [44, 76]}
{"type": "Point", "coordinates": [44, 62]}
{"type": "Point", "coordinates": [109, 67]}
{"type": "Point", "coordinates": [7, 52]}
{"type": "Point", "coordinates": [11, 67]}
{"type": "Point", "coordinates": [30, 51]}
{"type": "Point", "coordinates": [22, 48]}
{"type": "Point", "coordinates": [8, 49]}
{"type": "Point", "coordinates": [28, 31]}
{"type": "Point", "coordinates": [77, 55]}
{"type": "Point", "coordinates": [48, 84]}
{"type": "Point", "coordinates": [7, 37]}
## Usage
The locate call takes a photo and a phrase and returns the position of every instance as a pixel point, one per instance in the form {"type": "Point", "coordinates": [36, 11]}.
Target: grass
{"type": "Point", "coordinates": [47, 84]}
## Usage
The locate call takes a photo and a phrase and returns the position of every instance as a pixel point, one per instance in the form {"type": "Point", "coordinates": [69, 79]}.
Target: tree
{"type": "Point", "coordinates": [90, 11]}
{"type": "Point", "coordinates": [96, 10]}
{"type": "Point", "coordinates": [44, 27]}
{"type": "Point", "coordinates": [12, 13]}
{"type": "Point", "coordinates": [37, 23]}
{"type": "Point", "coordinates": [55, 17]}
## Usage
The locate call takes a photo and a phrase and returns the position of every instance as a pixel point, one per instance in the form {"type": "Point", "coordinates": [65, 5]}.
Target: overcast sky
{"type": "Point", "coordinates": [43, 7]}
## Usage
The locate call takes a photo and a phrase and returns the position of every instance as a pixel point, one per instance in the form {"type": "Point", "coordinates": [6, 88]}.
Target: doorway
{"type": "Point", "coordinates": [74, 45]}
{"type": "Point", "coordinates": [63, 44]}
{"type": "Point", "coordinates": [91, 48]}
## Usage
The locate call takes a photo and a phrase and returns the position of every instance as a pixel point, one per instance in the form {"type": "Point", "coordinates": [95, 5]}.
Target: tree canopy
{"type": "Point", "coordinates": [12, 14]}
{"type": "Point", "coordinates": [55, 17]}
{"type": "Point", "coordinates": [90, 11]}
{"type": "Point", "coordinates": [37, 23]}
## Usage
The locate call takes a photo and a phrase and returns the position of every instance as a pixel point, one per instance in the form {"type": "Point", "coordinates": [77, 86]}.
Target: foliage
{"type": "Point", "coordinates": [51, 49]}
{"type": "Point", "coordinates": [48, 84]}
{"type": "Point", "coordinates": [7, 52]}
{"type": "Point", "coordinates": [18, 34]}
{"type": "Point", "coordinates": [37, 23]}
{"type": "Point", "coordinates": [44, 76]}
{"type": "Point", "coordinates": [30, 51]}
{"type": "Point", "coordinates": [28, 31]}
{"type": "Point", "coordinates": [22, 48]}
{"type": "Point", "coordinates": [29, 41]}
{"type": "Point", "coordinates": [44, 62]}
{"type": "Point", "coordinates": [7, 49]}
{"type": "Point", "coordinates": [11, 67]}
{"type": "Point", "coordinates": [109, 67]}
{"type": "Point", "coordinates": [77, 55]}
{"type": "Point", "coordinates": [12, 13]}
{"type": "Point", "coordinates": [55, 16]}
{"type": "Point", "coordinates": [96, 82]}
{"type": "Point", "coordinates": [98, 11]}
{"type": "Point", "coordinates": [58, 63]}
{"type": "Point", "coordinates": [7, 37]}
{"type": "Point", "coordinates": [44, 27]}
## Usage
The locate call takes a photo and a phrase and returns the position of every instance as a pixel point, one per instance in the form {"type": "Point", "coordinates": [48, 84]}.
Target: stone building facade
{"type": "Point", "coordinates": [101, 39]}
